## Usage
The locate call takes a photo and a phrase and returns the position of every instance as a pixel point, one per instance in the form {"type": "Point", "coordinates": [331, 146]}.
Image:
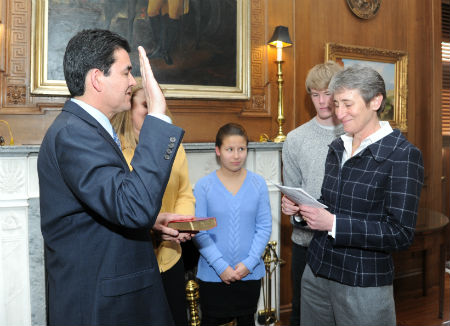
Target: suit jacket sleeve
{"type": "Point", "coordinates": [99, 178]}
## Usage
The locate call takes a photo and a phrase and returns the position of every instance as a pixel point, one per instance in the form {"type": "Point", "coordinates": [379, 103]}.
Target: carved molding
{"type": "Point", "coordinates": [18, 54]}
{"type": "Point", "coordinates": [201, 164]}
{"type": "Point", "coordinates": [16, 95]}
{"type": "Point", "coordinates": [364, 52]}
{"type": "Point", "coordinates": [19, 26]}
{"type": "Point", "coordinates": [258, 105]}
{"type": "Point", "coordinates": [10, 222]}
{"type": "Point", "coordinates": [12, 179]}
{"type": "Point", "coordinates": [268, 165]}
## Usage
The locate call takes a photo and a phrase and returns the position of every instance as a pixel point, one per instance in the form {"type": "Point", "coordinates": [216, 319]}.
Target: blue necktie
{"type": "Point", "coordinates": [117, 140]}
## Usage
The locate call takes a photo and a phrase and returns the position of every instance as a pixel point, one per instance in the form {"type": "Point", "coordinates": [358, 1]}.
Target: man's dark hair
{"type": "Point", "coordinates": [89, 49]}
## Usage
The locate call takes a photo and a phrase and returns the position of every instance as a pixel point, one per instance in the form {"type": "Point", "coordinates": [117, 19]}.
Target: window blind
{"type": "Point", "coordinates": [446, 68]}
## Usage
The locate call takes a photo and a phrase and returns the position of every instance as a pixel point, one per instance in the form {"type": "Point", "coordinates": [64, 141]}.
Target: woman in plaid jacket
{"type": "Point", "coordinates": [373, 178]}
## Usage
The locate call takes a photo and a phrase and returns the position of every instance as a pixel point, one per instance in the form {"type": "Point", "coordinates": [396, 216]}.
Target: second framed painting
{"type": "Point", "coordinates": [198, 49]}
{"type": "Point", "coordinates": [392, 66]}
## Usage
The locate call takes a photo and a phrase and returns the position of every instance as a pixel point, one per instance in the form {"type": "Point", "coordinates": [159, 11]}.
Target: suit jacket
{"type": "Point", "coordinates": [375, 196]}
{"type": "Point", "coordinates": [95, 219]}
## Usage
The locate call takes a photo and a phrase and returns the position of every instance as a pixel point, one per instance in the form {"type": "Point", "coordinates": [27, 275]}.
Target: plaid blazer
{"type": "Point", "coordinates": [375, 196]}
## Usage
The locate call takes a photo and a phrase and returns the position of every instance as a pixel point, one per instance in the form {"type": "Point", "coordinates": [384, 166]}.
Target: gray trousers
{"type": "Point", "coordinates": [325, 302]}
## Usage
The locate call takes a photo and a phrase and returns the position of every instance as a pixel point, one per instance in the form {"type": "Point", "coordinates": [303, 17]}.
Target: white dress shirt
{"type": "Point", "coordinates": [385, 129]}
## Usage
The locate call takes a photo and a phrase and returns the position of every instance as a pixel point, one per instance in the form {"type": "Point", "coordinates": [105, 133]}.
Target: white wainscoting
{"type": "Point", "coordinates": [18, 183]}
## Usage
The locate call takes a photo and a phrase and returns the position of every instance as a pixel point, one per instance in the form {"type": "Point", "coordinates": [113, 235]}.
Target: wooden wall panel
{"type": "Point", "coordinates": [446, 178]}
{"type": "Point", "coordinates": [408, 25]}
{"type": "Point", "coordinates": [200, 118]}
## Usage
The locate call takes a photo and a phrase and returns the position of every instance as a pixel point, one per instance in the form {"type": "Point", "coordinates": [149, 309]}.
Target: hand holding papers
{"type": "Point", "coordinates": [300, 197]}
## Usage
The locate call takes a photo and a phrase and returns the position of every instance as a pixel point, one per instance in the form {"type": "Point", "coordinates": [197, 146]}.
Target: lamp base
{"type": "Point", "coordinates": [279, 139]}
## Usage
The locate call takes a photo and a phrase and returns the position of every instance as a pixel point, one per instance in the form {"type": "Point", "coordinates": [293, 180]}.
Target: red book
{"type": "Point", "coordinates": [196, 224]}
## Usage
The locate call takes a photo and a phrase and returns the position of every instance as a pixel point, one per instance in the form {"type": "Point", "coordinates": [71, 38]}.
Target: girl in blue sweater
{"type": "Point", "coordinates": [230, 265]}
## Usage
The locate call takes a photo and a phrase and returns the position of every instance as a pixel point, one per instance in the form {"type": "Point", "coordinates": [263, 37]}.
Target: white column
{"type": "Point", "coordinates": [15, 308]}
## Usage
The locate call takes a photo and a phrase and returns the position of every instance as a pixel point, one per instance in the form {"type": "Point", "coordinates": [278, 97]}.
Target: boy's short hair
{"type": "Point", "coordinates": [320, 75]}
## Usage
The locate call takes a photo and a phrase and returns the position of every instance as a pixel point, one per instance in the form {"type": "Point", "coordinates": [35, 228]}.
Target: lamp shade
{"type": "Point", "coordinates": [280, 35]}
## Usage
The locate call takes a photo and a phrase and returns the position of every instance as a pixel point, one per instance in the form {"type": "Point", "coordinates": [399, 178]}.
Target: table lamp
{"type": "Point", "coordinates": [280, 39]}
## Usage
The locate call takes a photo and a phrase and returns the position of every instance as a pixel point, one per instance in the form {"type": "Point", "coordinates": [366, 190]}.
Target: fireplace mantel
{"type": "Point", "coordinates": [22, 280]}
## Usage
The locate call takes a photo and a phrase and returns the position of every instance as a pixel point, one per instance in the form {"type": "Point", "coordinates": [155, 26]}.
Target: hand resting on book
{"type": "Point", "coordinates": [168, 233]}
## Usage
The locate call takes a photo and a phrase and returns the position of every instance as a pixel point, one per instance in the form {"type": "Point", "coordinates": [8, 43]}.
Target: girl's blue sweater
{"type": "Point", "coordinates": [244, 224]}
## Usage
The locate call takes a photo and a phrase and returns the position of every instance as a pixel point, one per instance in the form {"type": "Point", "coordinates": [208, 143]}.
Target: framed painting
{"type": "Point", "coordinates": [392, 66]}
{"type": "Point", "coordinates": [197, 48]}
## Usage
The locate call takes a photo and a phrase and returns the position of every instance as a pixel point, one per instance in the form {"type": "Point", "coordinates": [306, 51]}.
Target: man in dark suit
{"type": "Point", "coordinates": [96, 215]}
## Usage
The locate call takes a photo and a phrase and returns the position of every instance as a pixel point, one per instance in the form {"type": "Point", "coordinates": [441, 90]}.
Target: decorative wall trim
{"type": "Point", "coordinates": [16, 95]}
{"type": "Point", "coordinates": [19, 24]}
{"type": "Point", "coordinates": [258, 106]}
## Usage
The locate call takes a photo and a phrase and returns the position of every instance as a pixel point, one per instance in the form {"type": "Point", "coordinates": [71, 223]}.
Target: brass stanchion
{"type": "Point", "coordinates": [268, 315]}
{"type": "Point", "coordinates": [192, 297]}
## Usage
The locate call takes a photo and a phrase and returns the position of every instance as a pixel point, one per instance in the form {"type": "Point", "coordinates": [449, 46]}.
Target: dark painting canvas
{"type": "Point", "coordinates": [191, 43]}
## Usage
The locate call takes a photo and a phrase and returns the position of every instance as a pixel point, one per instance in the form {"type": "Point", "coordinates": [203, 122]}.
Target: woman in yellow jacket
{"type": "Point", "coordinates": [178, 198]}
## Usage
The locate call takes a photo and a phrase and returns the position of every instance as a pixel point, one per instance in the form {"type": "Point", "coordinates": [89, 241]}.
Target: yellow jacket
{"type": "Point", "coordinates": [178, 198]}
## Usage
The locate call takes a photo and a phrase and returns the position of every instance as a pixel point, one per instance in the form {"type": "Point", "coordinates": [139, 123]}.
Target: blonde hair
{"type": "Point", "coordinates": [320, 75]}
{"type": "Point", "coordinates": [123, 123]}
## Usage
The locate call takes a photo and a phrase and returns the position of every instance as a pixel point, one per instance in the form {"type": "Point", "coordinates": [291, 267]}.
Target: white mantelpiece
{"type": "Point", "coordinates": [18, 183]}
{"type": "Point", "coordinates": [22, 284]}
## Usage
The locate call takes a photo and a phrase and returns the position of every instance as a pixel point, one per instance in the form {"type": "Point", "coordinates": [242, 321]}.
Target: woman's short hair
{"type": "Point", "coordinates": [364, 79]}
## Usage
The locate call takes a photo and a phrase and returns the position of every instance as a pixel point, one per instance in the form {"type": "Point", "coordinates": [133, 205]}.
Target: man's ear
{"type": "Point", "coordinates": [95, 78]}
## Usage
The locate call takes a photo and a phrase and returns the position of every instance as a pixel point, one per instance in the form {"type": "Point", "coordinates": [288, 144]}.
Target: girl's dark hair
{"type": "Point", "coordinates": [230, 129]}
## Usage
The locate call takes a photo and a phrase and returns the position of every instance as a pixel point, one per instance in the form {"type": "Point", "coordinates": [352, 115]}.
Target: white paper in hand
{"type": "Point", "coordinates": [299, 196]}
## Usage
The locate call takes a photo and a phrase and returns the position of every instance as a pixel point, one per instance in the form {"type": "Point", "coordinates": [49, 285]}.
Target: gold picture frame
{"type": "Point", "coordinates": [42, 84]}
{"type": "Point", "coordinates": [392, 65]}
